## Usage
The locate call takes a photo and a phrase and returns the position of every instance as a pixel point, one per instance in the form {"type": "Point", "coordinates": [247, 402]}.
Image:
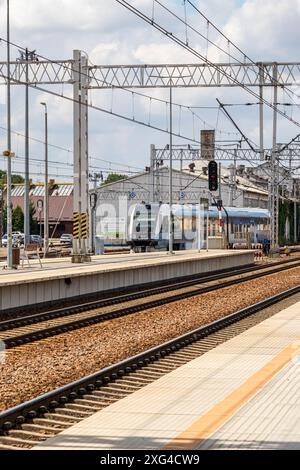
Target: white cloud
{"type": "Point", "coordinates": [267, 30]}
{"type": "Point", "coordinates": [162, 53]}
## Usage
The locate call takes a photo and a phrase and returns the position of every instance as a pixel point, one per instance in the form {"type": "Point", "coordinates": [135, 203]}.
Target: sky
{"type": "Point", "coordinates": [109, 34]}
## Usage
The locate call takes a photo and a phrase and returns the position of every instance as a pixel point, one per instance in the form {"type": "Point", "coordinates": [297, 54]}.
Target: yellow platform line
{"type": "Point", "coordinates": [211, 421]}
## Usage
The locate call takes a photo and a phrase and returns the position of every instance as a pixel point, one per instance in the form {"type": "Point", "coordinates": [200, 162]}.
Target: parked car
{"type": "Point", "coordinates": [36, 239]}
{"type": "Point", "coordinates": [66, 239]}
{"type": "Point", "coordinates": [4, 240]}
{"type": "Point", "coordinates": [15, 240]}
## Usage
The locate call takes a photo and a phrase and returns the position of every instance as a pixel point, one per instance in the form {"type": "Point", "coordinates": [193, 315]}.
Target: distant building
{"type": "Point", "coordinates": [60, 205]}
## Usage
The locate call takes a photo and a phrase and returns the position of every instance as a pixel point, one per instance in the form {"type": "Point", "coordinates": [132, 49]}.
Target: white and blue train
{"type": "Point", "coordinates": [148, 225]}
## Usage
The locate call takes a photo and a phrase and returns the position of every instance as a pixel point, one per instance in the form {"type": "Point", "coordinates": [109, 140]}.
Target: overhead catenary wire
{"type": "Point", "coordinates": [67, 66]}
{"type": "Point", "coordinates": [246, 56]}
{"type": "Point", "coordinates": [81, 73]}
{"type": "Point", "coordinates": [144, 123]}
{"type": "Point", "coordinates": [181, 43]}
{"type": "Point", "coordinates": [106, 111]}
{"type": "Point", "coordinates": [71, 151]}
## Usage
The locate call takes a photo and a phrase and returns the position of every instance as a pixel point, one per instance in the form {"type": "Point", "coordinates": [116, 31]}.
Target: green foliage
{"type": "Point", "coordinates": [286, 210]}
{"type": "Point", "coordinates": [15, 179]}
{"type": "Point", "coordinates": [113, 177]}
{"type": "Point", "coordinates": [18, 219]}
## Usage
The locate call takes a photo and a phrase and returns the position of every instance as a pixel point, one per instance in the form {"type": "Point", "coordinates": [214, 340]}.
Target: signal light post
{"type": "Point", "coordinates": [213, 176]}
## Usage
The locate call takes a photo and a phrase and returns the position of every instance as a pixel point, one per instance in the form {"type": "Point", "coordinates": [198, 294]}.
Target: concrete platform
{"type": "Point", "coordinates": [244, 394]}
{"type": "Point", "coordinates": [59, 279]}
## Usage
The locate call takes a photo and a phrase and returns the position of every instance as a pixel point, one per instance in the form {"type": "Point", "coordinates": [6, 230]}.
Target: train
{"type": "Point", "coordinates": [148, 226]}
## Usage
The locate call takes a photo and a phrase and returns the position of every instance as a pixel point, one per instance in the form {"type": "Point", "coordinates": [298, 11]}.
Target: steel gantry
{"type": "Point", "coordinates": [46, 72]}
{"type": "Point", "coordinates": [81, 76]}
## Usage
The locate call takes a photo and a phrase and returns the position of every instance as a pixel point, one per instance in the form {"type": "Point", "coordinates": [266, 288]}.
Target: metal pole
{"type": "Point", "coordinates": [199, 227]}
{"type": "Point", "coordinates": [220, 180]}
{"type": "Point", "coordinates": [261, 111]}
{"type": "Point", "coordinates": [295, 222]}
{"type": "Point", "coordinates": [152, 173]}
{"type": "Point", "coordinates": [207, 225]}
{"type": "Point", "coordinates": [93, 214]}
{"type": "Point", "coordinates": [1, 216]}
{"type": "Point", "coordinates": [26, 193]}
{"type": "Point", "coordinates": [46, 186]}
{"type": "Point", "coordinates": [171, 228]}
{"type": "Point", "coordinates": [274, 195]}
{"type": "Point", "coordinates": [9, 201]}
{"type": "Point", "coordinates": [295, 212]}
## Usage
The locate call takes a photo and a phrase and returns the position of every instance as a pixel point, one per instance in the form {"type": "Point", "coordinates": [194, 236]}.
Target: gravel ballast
{"type": "Point", "coordinates": [33, 369]}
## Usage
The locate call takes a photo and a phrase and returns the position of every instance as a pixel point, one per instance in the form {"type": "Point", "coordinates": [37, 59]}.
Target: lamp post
{"type": "Point", "coordinates": [46, 199]}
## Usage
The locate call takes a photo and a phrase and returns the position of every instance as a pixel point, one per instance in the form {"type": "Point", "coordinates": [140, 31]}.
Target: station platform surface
{"type": "Point", "coordinates": [32, 284]}
{"type": "Point", "coordinates": [244, 394]}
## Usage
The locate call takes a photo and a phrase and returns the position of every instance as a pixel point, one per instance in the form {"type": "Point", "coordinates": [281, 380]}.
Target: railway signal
{"type": "Point", "coordinates": [213, 175]}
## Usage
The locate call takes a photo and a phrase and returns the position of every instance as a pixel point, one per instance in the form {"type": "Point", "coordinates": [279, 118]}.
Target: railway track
{"type": "Point", "coordinates": [25, 425]}
{"type": "Point", "coordinates": [39, 326]}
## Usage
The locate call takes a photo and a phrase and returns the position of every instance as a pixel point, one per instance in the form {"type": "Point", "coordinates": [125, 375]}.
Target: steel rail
{"type": "Point", "coordinates": [38, 407]}
{"type": "Point", "coordinates": [208, 284]}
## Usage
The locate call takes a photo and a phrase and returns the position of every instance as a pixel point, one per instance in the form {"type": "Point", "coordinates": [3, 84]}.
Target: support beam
{"type": "Point", "coordinates": [81, 199]}
{"type": "Point", "coordinates": [226, 153]}
{"type": "Point", "coordinates": [46, 72]}
{"type": "Point", "coordinates": [261, 111]}
{"type": "Point", "coordinates": [274, 181]}
{"type": "Point", "coordinates": [192, 75]}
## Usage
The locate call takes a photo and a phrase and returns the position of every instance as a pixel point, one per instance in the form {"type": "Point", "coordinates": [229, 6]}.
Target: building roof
{"type": "Point", "coordinates": [60, 201]}
{"type": "Point", "coordinates": [242, 183]}
{"type": "Point", "coordinates": [38, 190]}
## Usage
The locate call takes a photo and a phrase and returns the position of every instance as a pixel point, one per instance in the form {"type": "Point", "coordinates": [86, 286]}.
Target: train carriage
{"type": "Point", "coordinates": [148, 225]}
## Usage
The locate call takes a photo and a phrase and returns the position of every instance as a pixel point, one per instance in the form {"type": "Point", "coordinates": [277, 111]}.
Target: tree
{"type": "Point", "coordinates": [18, 219]}
{"type": "Point", "coordinates": [15, 179]}
{"type": "Point", "coordinates": [113, 177]}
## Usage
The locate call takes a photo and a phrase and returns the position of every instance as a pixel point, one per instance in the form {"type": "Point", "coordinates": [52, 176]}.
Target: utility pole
{"type": "Point", "coordinates": [46, 204]}
{"type": "Point", "coordinates": [261, 110]}
{"type": "Point", "coordinates": [94, 178]}
{"type": "Point", "coordinates": [171, 224]}
{"type": "Point", "coordinates": [81, 159]}
{"type": "Point", "coordinates": [274, 180]}
{"type": "Point", "coordinates": [9, 201]}
{"type": "Point", "coordinates": [27, 56]}
{"type": "Point", "coordinates": [1, 216]}
{"type": "Point", "coordinates": [295, 212]}
{"type": "Point", "coordinates": [26, 194]}
{"type": "Point", "coordinates": [152, 172]}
